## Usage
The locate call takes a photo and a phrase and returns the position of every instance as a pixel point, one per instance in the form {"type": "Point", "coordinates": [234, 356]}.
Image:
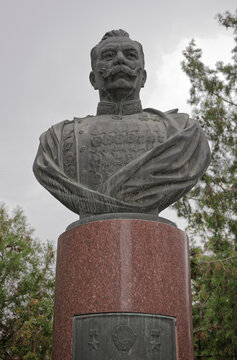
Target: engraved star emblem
{"type": "Point", "coordinates": [155, 341]}
{"type": "Point", "coordinates": [93, 343]}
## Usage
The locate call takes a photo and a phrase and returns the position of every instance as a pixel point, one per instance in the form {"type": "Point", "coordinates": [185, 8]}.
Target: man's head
{"type": "Point", "coordinates": [117, 67]}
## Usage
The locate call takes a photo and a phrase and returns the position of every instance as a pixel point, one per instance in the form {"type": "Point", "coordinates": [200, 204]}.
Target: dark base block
{"type": "Point", "coordinates": [125, 336]}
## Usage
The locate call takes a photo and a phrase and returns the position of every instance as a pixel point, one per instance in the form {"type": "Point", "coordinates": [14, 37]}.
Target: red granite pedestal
{"type": "Point", "coordinates": [122, 265]}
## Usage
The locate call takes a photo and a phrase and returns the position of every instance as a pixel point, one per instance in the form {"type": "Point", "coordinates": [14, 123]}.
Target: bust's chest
{"type": "Point", "coordinates": [105, 144]}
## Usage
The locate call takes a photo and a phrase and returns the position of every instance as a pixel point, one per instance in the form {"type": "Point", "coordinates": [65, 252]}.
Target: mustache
{"type": "Point", "coordinates": [105, 73]}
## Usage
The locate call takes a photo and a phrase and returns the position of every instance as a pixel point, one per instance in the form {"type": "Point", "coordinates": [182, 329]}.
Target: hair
{"type": "Point", "coordinates": [109, 34]}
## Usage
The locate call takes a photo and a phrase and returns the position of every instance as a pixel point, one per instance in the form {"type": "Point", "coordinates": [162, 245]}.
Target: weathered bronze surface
{"type": "Point", "coordinates": [124, 336]}
{"type": "Point", "coordinates": [124, 159]}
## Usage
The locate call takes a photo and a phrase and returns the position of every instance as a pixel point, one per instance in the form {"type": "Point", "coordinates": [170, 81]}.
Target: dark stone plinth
{"type": "Point", "coordinates": [122, 265]}
{"type": "Point", "coordinates": [113, 216]}
{"type": "Point", "coordinates": [127, 336]}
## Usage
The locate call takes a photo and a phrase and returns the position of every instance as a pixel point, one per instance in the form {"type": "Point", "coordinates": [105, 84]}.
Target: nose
{"type": "Point", "coordinates": [119, 58]}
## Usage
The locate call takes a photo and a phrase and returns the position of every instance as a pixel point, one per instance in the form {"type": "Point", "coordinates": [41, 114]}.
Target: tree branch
{"type": "Point", "coordinates": [219, 260]}
{"type": "Point", "coordinates": [229, 102]}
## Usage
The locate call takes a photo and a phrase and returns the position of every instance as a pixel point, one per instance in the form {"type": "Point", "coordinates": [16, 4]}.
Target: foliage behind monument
{"type": "Point", "coordinates": [210, 208]}
{"type": "Point", "coordinates": [26, 291]}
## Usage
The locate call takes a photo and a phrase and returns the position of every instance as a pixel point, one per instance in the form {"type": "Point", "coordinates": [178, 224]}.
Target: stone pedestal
{"type": "Point", "coordinates": [122, 266]}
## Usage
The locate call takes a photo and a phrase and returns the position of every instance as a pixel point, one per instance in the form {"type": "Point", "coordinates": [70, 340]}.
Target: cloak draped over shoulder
{"type": "Point", "coordinates": [148, 184]}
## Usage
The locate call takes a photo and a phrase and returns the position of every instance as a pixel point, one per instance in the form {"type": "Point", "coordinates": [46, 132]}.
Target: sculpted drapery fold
{"type": "Point", "coordinates": [148, 184]}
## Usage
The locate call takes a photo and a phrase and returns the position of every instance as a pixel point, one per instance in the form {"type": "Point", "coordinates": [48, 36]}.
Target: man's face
{"type": "Point", "coordinates": [118, 66]}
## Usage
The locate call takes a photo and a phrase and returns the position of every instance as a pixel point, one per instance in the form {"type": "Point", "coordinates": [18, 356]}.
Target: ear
{"type": "Point", "coordinates": [92, 80]}
{"type": "Point", "coordinates": [144, 78]}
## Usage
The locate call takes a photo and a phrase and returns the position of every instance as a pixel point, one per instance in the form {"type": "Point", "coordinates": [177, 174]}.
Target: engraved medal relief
{"type": "Point", "coordinates": [123, 336]}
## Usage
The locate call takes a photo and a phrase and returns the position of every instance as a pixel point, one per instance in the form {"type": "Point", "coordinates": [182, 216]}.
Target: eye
{"type": "Point", "coordinates": [131, 55]}
{"type": "Point", "coordinates": [108, 55]}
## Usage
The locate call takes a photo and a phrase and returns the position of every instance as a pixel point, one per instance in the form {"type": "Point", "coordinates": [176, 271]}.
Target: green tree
{"type": "Point", "coordinates": [26, 291]}
{"type": "Point", "coordinates": [210, 208]}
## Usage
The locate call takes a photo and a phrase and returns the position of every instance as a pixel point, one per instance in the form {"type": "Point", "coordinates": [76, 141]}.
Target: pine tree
{"type": "Point", "coordinates": [210, 208]}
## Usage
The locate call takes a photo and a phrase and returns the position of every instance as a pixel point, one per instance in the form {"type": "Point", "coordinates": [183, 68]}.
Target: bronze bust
{"type": "Point", "coordinates": [124, 159]}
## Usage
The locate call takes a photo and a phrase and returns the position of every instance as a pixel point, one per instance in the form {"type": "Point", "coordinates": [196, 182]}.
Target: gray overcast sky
{"type": "Point", "coordinates": [44, 68]}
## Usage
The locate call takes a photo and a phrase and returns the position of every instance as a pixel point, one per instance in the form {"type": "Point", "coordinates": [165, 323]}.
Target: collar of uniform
{"type": "Point", "coordinates": [125, 108]}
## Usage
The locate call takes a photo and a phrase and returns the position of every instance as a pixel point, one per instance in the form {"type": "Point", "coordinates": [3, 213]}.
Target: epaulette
{"type": "Point", "coordinates": [160, 113]}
